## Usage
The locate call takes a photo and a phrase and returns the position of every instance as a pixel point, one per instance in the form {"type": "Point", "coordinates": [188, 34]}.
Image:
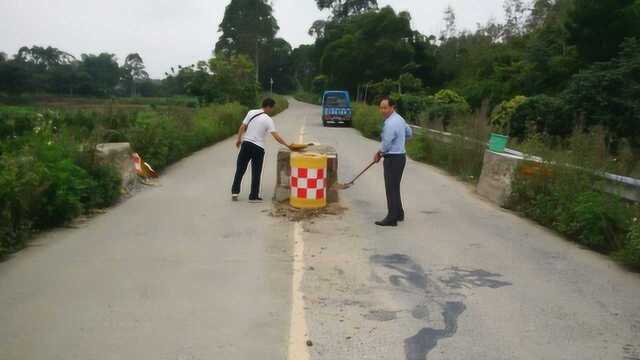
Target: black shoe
{"type": "Point", "coordinates": [401, 218]}
{"type": "Point", "coordinates": [256, 200]}
{"type": "Point", "coordinates": [386, 222]}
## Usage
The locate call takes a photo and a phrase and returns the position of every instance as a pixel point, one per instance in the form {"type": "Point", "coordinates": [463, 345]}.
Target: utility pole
{"type": "Point", "coordinates": [257, 44]}
{"type": "Point", "coordinates": [366, 90]}
{"type": "Point", "coordinates": [271, 81]}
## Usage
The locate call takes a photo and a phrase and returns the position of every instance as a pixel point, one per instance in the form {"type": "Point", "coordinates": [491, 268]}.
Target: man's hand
{"type": "Point", "coordinates": [238, 143]}
{"type": "Point", "coordinates": [290, 146]}
{"type": "Point", "coordinates": [377, 157]}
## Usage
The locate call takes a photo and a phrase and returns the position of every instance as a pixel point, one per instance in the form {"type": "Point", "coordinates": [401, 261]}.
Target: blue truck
{"type": "Point", "coordinates": [336, 108]}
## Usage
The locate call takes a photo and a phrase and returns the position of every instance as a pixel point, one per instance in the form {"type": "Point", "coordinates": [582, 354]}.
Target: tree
{"type": "Point", "coordinates": [598, 27]}
{"type": "Point", "coordinates": [133, 71]}
{"type": "Point", "coordinates": [317, 28]}
{"type": "Point", "coordinates": [515, 12]}
{"type": "Point", "coordinates": [607, 94]}
{"type": "Point", "coordinates": [303, 66]}
{"type": "Point", "coordinates": [247, 28]}
{"type": "Point", "coordinates": [104, 72]}
{"type": "Point", "coordinates": [232, 80]}
{"type": "Point", "coordinates": [449, 30]}
{"type": "Point", "coordinates": [538, 15]}
{"type": "Point", "coordinates": [278, 63]}
{"type": "Point", "coordinates": [44, 57]}
{"type": "Point", "coordinates": [367, 47]}
{"type": "Point", "coordinates": [14, 78]}
{"type": "Point", "coordinates": [68, 79]}
{"type": "Point", "coordinates": [342, 9]}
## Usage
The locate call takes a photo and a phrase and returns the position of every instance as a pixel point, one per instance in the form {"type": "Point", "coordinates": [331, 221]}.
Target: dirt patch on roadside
{"type": "Point", "coordinates": [284, 210]}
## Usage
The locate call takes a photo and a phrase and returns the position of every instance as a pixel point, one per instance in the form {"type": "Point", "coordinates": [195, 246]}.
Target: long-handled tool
{"type": "Point", "coordinates": [350, 183]}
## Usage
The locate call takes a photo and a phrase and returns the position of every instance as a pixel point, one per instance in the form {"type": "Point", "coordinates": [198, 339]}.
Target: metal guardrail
{"type": "Point", "coordinates": [624, 180]}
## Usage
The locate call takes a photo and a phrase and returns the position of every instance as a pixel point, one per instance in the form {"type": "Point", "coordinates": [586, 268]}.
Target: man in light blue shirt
{"type": "Point", "coordinates": [394, 136]}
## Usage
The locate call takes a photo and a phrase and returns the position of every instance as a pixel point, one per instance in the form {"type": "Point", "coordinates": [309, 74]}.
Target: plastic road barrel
{"type": "Point", "coordinates": [308, 181]}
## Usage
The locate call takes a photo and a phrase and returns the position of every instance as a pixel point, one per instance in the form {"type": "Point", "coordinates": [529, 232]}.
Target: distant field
{"type": "Point", "coordinates": [100, 104]}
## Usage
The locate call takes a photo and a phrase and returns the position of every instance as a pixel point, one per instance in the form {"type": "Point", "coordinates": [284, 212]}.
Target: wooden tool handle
{"type": "Point", "coordinates": [363, 171]}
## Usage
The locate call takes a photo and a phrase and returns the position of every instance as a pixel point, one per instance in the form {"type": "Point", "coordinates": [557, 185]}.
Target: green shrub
{"type": "Point", "coordinates": [409, 83]}
{"type": "Point", "coordinates": [570, 198]}
{"type": "Point", "coordinates": [377, 90]}
{"type": "Point", "coordinates": [459, 154]}
{"type": "Point", "coordinates": [307, 97]}
{"type": "Point", "coordinates": [410, 106]}
{"type": "Point", "coordinates": [445, 106]}
{"type": "Point", "coordinates": [542, 114]}
{"type": "Point", "coordinates": [502, 114]}
{"type": "Point", "coordinates": [630, 253]}
{"type": "Point", "coordinates": [68, 190]}
{"type": "Point", "coordinates": [48, 174]}
{"type": "Point", "coordinates": [367, 120]}
{"type": "Point", "coordinates": [107, 182]}
{"type": "Point", "coordinates": [22, 181]}
{"type": "Point", "coordinates": [595, 220]}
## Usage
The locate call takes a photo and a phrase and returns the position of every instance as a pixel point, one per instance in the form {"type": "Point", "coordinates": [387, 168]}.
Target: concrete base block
{"type": "Point", "coordinates": [119, 156]}
{"type": "Point", "coordinates": [497, 174]}
{"type": "Point", "coordinates": [283, 173]}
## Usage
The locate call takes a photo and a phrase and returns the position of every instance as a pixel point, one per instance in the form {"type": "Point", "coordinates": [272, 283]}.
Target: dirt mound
{"type": "Point", "coordinates": [283, 209]}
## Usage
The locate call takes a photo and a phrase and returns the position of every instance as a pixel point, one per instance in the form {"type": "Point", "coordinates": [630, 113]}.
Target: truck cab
{"type": "Point", "coordinates": [336, 108]}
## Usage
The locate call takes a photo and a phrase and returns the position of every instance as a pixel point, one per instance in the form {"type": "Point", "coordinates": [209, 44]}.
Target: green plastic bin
{"type": "Point", "coordinates": [497, 143]}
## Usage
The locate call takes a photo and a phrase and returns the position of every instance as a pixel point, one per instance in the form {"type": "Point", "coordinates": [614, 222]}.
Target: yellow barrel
{"type": "Point", "coordinates": [308, 181]}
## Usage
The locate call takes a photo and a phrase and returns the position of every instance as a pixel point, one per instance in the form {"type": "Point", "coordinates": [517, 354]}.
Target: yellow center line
{"type": "Point", "coordinates": [298, 331]}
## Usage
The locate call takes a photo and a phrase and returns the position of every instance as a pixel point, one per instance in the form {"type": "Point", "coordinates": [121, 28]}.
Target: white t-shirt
{"type": "Point", "coordinates": [259, 127]}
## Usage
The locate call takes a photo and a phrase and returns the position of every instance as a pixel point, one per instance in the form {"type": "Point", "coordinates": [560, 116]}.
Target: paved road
{"type": "Point", "coordinates": [179, 272]}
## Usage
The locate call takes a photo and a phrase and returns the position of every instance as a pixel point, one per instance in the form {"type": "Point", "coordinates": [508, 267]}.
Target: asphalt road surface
{"type": "Point", "coordinates": [179, 272]}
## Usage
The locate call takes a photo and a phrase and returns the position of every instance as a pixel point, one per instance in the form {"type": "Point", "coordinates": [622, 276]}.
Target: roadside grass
{"type": "Point", "coordinates": [572, 199]}
{"type": "Point", "coordinates": [461, 155]}
{"type": "Point", "coordinates": [568, 199]}
{"type": "Point", "coordinates": [307, 97]}
{"type": "Point", "coordinates": [48, 172]}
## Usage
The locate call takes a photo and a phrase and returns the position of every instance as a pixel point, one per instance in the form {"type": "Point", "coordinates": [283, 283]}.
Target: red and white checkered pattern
{"type": "Point", "coordinates": [308, 183]}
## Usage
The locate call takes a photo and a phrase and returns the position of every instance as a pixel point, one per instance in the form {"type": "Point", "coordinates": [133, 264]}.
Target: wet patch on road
{"type": "Point", "coordinates": [463, 278]}
{"type": "Point", "coordinates": [631, 352]}
{"type": "Point", "coordinates": [432, 294]}
{"type": "Point", "coordinates": [412, 273]}
{"type": "Point", "coordinates": [381, 315]}
{"type": "Point", "coordinates": [418, 346]}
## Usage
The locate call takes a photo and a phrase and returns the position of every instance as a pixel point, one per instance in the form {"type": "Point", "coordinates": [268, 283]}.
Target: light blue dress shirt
{"type": "Point", "coordinates": [394, 135]}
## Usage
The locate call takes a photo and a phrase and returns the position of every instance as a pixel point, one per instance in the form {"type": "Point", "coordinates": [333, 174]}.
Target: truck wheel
{"type": "Point", "coordinates": [324, 123]}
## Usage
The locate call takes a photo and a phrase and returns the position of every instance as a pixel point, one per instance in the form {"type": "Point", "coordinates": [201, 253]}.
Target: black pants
{"type": "Point", "coordinates": [255, 154]}
{"type": "Point", "coordinates": [393, 168]}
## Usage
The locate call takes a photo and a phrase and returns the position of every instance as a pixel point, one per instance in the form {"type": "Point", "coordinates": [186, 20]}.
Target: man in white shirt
{"type": "Point", "coordinates": [251, 135]}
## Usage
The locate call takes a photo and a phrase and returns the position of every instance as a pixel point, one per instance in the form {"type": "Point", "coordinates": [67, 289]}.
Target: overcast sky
{"type": "Point", "coordinates": [172, 32]}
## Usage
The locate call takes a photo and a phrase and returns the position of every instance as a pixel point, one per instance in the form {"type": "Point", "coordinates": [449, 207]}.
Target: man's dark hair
{"type": "Point", "coordinates": [268, 103]}
{"type": "Point", "coordinates": [390, 101]}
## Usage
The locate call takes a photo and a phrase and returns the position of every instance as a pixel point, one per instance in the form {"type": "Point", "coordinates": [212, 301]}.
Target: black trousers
{"type": "Point", "coordinates": [255, 154]}
{"type": "Point", "coordinates": [393, 168]}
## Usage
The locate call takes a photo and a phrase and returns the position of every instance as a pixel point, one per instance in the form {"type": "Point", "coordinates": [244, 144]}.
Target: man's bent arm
{"type": "Point", "coordinates": [408, 132]}
{"type": "Point", "coordinates": [279, 139]}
